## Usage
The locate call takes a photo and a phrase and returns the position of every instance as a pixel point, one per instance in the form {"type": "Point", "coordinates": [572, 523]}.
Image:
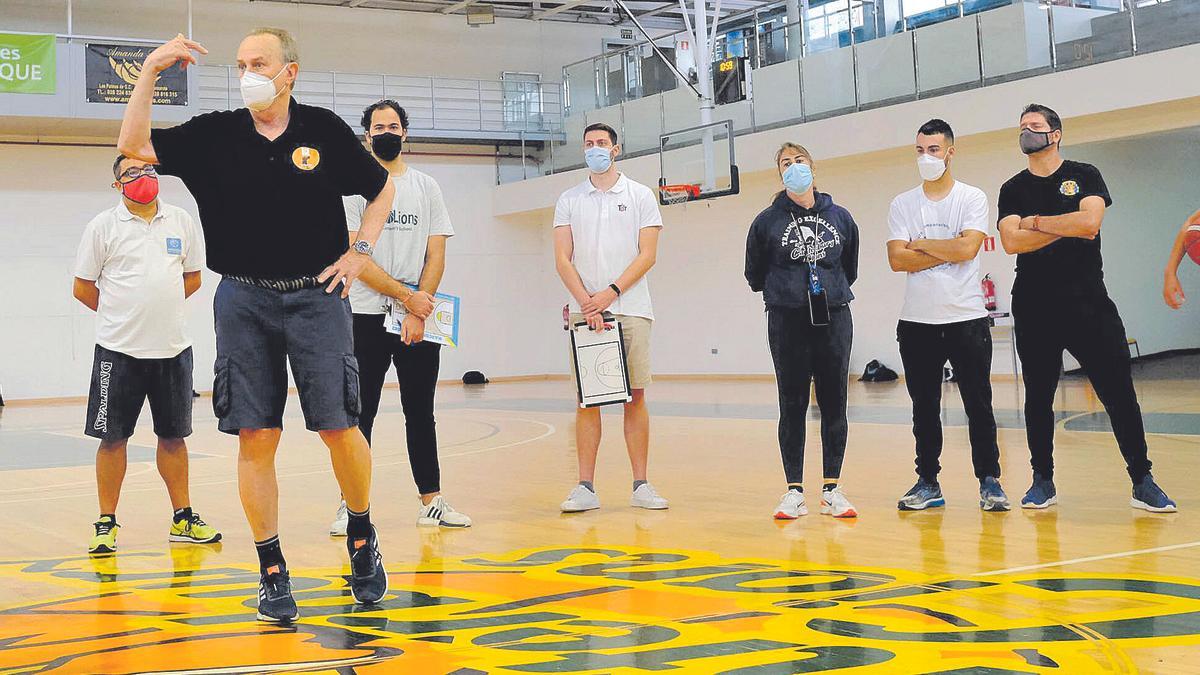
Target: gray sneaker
{"type": "Point", "coordinates": [991, 495]}
{"type": "Point", "coordinates": [368, 578]}
{"type": "Point", "coordinates": [923, 495]}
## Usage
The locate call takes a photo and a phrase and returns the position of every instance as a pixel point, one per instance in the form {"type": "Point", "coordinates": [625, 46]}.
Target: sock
{"type": "Point", "coordinates": [638, 483]}
{"type": "Point", "coordinates": [828, 486]}
{"type": "Point", "coordinates": [588, 484]}
{"type": "Point", "coordinates": [184, 514]}
{"type": "Point", "coordinates": [797, 488]}
{"type": "Point", "coordinates": [270, 556]}
{"type": "Point", "coordinates": [110, 516]}
{"type": "Point", "coordinates": [359, 525]}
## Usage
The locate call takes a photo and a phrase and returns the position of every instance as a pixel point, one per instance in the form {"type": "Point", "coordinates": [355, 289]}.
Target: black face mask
{"type": "Point", "coordinates": [386, 146]}
{"type": "Point", "coordinates": [1034, 141]}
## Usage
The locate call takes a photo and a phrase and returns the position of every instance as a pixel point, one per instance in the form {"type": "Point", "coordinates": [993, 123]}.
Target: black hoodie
{"type": "Point", "coordinates": [785, 235]}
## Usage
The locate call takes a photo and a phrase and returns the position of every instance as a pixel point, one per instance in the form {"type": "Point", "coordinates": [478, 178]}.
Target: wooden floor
{"type": "Point", "coordinates": [713, 585]}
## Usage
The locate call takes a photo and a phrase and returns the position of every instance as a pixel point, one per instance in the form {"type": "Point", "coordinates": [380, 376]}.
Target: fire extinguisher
{"type": "Point", "coordinates": [989, 292]}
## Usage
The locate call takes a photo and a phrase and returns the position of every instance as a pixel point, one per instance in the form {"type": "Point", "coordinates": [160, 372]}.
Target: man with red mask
{"type": "Point", "coordinates": [136, 264]}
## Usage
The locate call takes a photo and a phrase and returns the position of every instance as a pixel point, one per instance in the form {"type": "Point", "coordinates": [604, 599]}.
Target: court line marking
{"type": "Point", "coordinates": [1093, 558]}
{"type": "Point", "coordinates": [550, 430]}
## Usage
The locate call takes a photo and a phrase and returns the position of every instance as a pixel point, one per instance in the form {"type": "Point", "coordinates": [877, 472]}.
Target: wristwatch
{"type": "Point", "coordinates": [364, 247]}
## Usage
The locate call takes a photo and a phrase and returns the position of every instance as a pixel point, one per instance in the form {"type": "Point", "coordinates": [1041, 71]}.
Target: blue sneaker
{"type": "Point", "coordinates": [991, 495]}
{"type": "Point", "coordinates": [1040, 495]}
{"type": "Point", "coordinates": [1148, 496]}
{"type": "Point", "coordinates": [922, 496]}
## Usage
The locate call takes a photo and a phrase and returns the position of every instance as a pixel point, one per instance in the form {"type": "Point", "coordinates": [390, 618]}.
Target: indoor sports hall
{"type": "Point", "coordinates": [857, 335]}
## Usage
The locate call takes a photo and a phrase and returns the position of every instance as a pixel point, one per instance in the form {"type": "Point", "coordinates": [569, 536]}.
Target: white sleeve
{"type": "Point", "coordinates": [89, 258]}
{"type": "Point", "coordinates": [194, 253]}
{"type": "Point", "coordinates": [648, 213]}
{"type": "Point", "coordinates": [562, 211]}
{"type": "Point", "coordinates": [439, 217]}
{"type": "Point", "coordinates": [354, 205]}
{"type": "Point", "coordinates": [975, 214]}
{"type": "Point", "coordinates": [896, 225]}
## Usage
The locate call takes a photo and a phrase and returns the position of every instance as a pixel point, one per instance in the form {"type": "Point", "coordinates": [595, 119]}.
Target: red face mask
{"type": "Point", "coordinates": [142, 190]}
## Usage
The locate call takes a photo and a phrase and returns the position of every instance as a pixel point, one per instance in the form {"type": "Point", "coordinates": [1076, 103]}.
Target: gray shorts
{"type": "Point", "coordinates": [260, 332]}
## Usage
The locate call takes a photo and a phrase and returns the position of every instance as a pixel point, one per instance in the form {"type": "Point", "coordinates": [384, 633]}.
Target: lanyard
{"type": "Point", "coordinates": [814, 282]}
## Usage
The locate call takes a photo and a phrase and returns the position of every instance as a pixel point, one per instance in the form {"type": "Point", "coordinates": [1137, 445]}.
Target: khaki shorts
{"type": "Point", "coordinates": [635, 333]}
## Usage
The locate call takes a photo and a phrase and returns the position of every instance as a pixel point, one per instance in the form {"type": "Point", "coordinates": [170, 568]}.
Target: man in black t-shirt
{"type": "Point", "coordinates": [1050, 216]}
{"type": "Point", "coordinates": [268, 180]}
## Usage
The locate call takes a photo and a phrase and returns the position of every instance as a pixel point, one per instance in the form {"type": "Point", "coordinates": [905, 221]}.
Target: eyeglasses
{"type": "Point", "coordinates": [136, 172]}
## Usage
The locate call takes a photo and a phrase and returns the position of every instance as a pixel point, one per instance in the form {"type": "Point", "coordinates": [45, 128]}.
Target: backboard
{"type": "Point", "coordinates": [697, 163]}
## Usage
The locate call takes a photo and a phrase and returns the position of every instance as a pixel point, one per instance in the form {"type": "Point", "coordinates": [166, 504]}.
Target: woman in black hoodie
{"type": "Point", "coordinates": [802, 254]}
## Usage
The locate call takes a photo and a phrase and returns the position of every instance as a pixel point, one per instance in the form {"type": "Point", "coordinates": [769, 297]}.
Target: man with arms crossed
{"type": "Point", "coordinates": [605, 241]}
{"type": "Point", "coordinates": [410, 252]}
{"type": "Point", "coordinates": [137, 263]}
{"type": "Point", "coordinates": [1050, 216]}
{"type": "Point", "coordinates": [937, 229]}
{"type": "Point", "coordinates": [268, 180]}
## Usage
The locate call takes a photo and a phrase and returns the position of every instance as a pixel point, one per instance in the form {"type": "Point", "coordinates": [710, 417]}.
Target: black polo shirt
{"type": "Point", "coordinates": [270, 209]}
{"type": "Point", "coordinates": [1071, 266]}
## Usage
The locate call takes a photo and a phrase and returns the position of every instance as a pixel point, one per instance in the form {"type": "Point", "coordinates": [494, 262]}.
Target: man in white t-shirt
{"type": "Point", "coordinates": [136, 264]}
{"type": "Point", "coordinates": [406, 268]}
{"type": "Point", "coordinates": [605, 241]}
{"type": "Point", "coordinates": [936, 232]}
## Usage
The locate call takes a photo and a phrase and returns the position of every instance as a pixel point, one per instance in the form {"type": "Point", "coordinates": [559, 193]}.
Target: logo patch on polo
{"type": "Point", "coordinates": [174, 246]}
{"type": "Point", "coordinates": [306, 158]}
{"type": "Point", "coordinates": [1069, 188]}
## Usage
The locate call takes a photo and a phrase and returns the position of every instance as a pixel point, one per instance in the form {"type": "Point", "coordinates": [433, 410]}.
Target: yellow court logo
{"type": "Point", "coordinates": [306, 158]}
{"type": "Point", "coordinates": [1069, 188]}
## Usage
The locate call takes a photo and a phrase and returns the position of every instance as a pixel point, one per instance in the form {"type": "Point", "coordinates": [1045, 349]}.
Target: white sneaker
{"type": "Point", "coordinates": [645, 497]}
{"type": "Point", "coordinates": [581, 499]}
{"type": "Point", "coordinates": [438, 513]}
{"type": "Point", "coordinates": [338, 527]}
{"type": "Point", "coordinates": [834, 503]}
{"type": "Point", "coordinates": [791, 506]}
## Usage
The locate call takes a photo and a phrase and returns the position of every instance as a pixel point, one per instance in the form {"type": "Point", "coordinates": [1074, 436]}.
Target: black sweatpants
{"type": "Point", "coordinates": [924, 350]}
{"type": "Point", "coordinates": [417, 369]}
{"type": "Point", "coordinates": [1092, 331]}
{"type": "Point", "coordinates": [804, 354]}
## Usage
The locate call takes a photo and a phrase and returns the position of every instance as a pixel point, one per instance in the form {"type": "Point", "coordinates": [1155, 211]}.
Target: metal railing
{"type": "Point", "coordinates": [800, 74]}
{"type": "Point", "coordinates": [438, 107]}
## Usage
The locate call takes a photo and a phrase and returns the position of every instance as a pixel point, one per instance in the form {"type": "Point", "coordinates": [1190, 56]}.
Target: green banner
{"type": "Point", "coordinates": [27, 64]}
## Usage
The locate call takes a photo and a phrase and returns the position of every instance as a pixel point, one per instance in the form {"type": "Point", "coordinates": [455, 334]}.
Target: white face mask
{"type": "Point", "coordinates": [258, 91]}
{"type": "Point", "coordinates": [931, 167]}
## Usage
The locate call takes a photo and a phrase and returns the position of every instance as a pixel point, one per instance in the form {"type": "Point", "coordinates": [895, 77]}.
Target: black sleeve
{"type": "Point", "coordinates": [756, 266]}
{"type": "Point", "coordinates": [357, 172]}
{"type": "Point", "coordinates": [185, 148]}
{"type": "Point", "coordinates": [1007, 204]}
{"type": "Point", "coordinates": [850, 250]}
{"type": "Point", "coordinates": [1091, 184]}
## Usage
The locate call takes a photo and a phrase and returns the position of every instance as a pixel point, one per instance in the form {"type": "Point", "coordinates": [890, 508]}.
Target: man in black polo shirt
{"type": "Point", "coordinates": [269, 180]}
{"type": "Point", "coordinates": [1050, 216]}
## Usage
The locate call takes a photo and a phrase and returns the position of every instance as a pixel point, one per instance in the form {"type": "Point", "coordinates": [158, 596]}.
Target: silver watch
{"type": "Point", "coordinates": [363, 247]}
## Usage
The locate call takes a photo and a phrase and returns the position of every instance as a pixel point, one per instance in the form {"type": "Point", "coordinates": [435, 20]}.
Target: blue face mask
{"type": "Point", "coordinates": [798, 178]}
{"type": "Point", "coordinates": [598, 159]}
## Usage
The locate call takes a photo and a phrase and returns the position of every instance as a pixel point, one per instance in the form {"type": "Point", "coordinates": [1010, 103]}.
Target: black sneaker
{"type": "Point", "coordinates": [275, 601]}
{"type": "Point", "coordinates": [1149, 497]}
{"type": "Point", "coordinates": [368, 579]}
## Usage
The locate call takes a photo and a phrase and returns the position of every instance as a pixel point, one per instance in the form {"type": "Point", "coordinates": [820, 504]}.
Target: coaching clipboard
{"type": "Point", "coordinates": [601, 374]}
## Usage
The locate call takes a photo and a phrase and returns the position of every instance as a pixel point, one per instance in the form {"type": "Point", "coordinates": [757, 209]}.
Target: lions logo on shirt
{"type": "Point", "coordinates": [306, 158]}
{"type": "Point", "coordinates": [1069, 188]}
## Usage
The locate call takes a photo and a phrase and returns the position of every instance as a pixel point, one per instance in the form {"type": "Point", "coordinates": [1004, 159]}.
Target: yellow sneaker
{"type": "Point", "coordinates": [194, 531]}
{"type": "Point", "coordinates": [104, 542]}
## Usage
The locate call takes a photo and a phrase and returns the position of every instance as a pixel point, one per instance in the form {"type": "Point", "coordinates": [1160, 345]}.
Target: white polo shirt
{"type": "Point", "coordinates": [950, 292]}
{"type": "Point", "coordinates": [139, 268]}
{"type": "Point", "coordinates": [418, 213]}
{"type": "Point", "coordinates": [605, 227]}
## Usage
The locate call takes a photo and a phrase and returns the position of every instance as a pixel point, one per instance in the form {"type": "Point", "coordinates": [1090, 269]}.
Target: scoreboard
{"type": "Point", "coordinates": [729, 80]}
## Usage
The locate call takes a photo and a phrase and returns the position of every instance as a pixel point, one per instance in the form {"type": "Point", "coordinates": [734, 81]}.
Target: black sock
{"type": "Point", "coordinates": [359, 525]}
{"type": "Point", "coordinates": [638, 483]}
{"type": "Point", "coordinates": [183, 514]}
{"type": "Point", "coordinates": [588, 484]}
{"type": "Point", "coordinates": [797, 488]}
{"type": "Point", "coordinates": [828, 486]}
{"type": "Point", "coordinates": [270, 555]}
{"type": "Point", "coordinates": [110, 516]}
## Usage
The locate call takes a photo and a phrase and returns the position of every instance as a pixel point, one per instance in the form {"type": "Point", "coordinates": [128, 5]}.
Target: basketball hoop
{"type": "Point", "coordinates": [678, 194]}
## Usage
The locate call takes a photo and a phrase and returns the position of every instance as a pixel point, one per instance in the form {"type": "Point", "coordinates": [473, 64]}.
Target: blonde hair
{"type": "Point", "coordinates": [795, 147]}
{"type": "Point", "coordinates": [287, 43]}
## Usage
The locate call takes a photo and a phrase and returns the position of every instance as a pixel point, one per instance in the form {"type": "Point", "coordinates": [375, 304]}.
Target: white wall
{"type": "Point", "coordinates": [48, 194]}
{"type": "Point", "coordinates": [332, 38]}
